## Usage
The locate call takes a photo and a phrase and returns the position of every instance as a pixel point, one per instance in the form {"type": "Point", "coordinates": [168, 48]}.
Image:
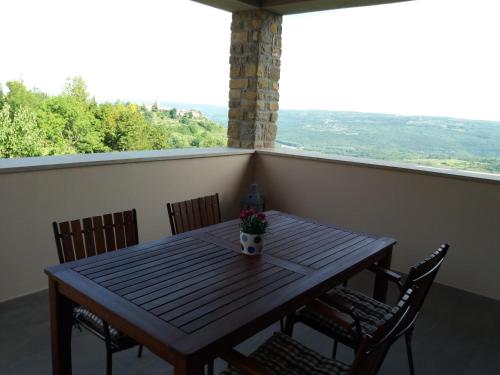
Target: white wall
{"type": "Point", "coordinates": [30, 201]}
{"type": "Point", "coordinates": [420, 210]}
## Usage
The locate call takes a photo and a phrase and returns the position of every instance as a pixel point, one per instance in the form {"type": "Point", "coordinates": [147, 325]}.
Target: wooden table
{"type": "Point", "coordinates": [190, 297]}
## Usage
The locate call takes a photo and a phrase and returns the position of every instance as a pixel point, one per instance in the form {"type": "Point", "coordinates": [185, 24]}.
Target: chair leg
{"type": "Point", "coordinates": [210, 368]}
{"type": "Point", "coordinates": [282, 325]}
{"type": "Point", "coordinates": [139, 352]}
{"type": "Point", "coordinates": [109, 362]}
{"type": "Point", "coordinates": [334, 351]}
{"type": "Point", "coordinates": [408, 338]}
{"type": "Point", "coordinates": [289, 323]}
{"type": "Point", "coordinates": [109, 351]}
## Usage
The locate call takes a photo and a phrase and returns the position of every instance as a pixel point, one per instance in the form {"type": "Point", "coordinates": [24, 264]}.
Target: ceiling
{"type": "Point", "coordinates": [291, 6]}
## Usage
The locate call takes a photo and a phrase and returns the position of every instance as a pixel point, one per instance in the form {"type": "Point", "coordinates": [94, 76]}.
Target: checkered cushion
{"type": "Point", "coordinates": [85, 317]}
{"type": "Point", "coordinates": [284, 356]}
{"type": "Point", "coordinates": [369, 311]}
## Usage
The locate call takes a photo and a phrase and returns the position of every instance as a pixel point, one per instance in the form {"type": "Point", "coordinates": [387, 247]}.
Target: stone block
{"type": "Point", "coordinates": [274, 106]}
{"type": "Point", "coordinates": [239, 83]}
{"type": "Point", "coordinates": [250, 95]}
{"type": "Point", "coordinates": [234, 113]}
{"type": "Point", "coordinates": [234, 94]}
{"type": "Point", "coordinates": [250, 70]}
{"type": "Point", "coordinates": [239, 37]}
{"type": "Point", "coordinates": [262, 83]}
{"type": "Point", "coordinates": [235, 71]}
{"type": "Point", "coordinates": [274, 73]}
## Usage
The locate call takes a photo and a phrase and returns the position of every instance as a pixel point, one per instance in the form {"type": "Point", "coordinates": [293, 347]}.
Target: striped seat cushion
{"type": "Point", "coordinates": [369, 311]}
{"type": "Point", "coordinates": [91, 320]}
{"type": "Point", "coordinates": [284, 356]}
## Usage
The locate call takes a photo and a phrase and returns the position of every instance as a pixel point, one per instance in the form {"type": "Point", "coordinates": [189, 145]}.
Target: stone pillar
{"type": "Point", "coordinates": [254, 79]}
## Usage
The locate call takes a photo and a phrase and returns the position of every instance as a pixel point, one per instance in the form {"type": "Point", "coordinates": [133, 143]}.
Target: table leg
{"type": "Point", "coordinates": [185, 367]}
{"type": "Point", "coordinates": [61, 311]}
{"type": "Point", "coordinates": [381, 283]}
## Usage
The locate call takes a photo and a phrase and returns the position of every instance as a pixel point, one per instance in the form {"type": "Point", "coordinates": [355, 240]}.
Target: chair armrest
{"type": "Point", "coordinates": [246, 364]}
{"type": "Point", "coordinates": [339, 303]}
{"type": "Point", "coordinates": [347, 322]}
{"type": "Point", "coordinates": [388, 274]}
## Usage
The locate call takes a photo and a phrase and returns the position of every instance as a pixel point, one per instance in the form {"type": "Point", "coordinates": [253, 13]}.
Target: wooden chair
{"type": "Point", "coordinates": [194, 213]}
{"type": "Point", "coordinates": [366, 311]}
{"type": "Point", "coordinates": [79, 239]}
{"type": "Point", "coordinates": [282, 355]}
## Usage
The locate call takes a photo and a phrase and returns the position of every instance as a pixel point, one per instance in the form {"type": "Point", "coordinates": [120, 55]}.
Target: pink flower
{"type": "Point", "coordinates": [246, 213]}
{"type": "Point", "coordinates": [261, 216]}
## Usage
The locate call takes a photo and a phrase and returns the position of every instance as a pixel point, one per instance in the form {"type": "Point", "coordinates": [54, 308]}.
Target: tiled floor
{"type": "Point", "coordinates": [457, 333]}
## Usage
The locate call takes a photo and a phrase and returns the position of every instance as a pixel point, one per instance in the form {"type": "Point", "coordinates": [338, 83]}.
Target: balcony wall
{"type": "Point", "coordinates": [35, 192]}
{"type": "Point", "coordinates": [419, 208]}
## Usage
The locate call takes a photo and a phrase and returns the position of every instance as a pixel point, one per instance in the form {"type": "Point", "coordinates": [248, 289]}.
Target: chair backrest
{"type": "Point", "coordinates": [194, 213]}
{"type": "Point", "coordinates": [374, 347]}
{"type": "Point", "coordinates": [422, 275]}
{"type": "Point", "coordinates": [77, 239]}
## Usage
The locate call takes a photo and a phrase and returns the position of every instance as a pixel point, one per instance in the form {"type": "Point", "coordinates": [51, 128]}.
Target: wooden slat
{"type": "Point", "coordinates": [217, 208]}
{"type": "Point", "coordinates": [325, 234]}
{"type": "Point", "coordinates": [76, 228]}
{"type": "Point", "coordinates": [184, 216]}
{"type": "Point", "coordinates": [171, 309]}
{"type": "Point", "coordinates": [100, 244]}
{"type": "Point", "coordinates": [160, 282]}
{"type": "Point", "coordinates": [119, 230]}
{"type": "Point", "coordinates": [150, 253]}
{"type": "Point", "coordinates": [176, 304]}
{"type": "Point", "coordinates": [121, 276]}
{"type": "Point", "coordinates": [196, 213]}
{"type": "Point", "coordinates": [164, 256]}
{"type": "Point", "coordinates": [109, 232]}
{"type": "Point", "coordinates": [210, 211]}
{"type": "Point", "coordinates": [309, 252]}
{"type": "Point", "coordinates": [227, 309]}
{"type": "Point", "coordinates": [130, 228]}
{"type": "Point", "coordinates": [203, 211]}
{"type": "Point", "coordinates": [190, 215]}
{"type": "Point", "coordinates": [164, 274]}
{"type": "Point", "coordinates": [195, 283]}
{"type": "Point", "coordinates": [89, 237]}
{"type": "Point", "coordinates": [337, 255]}
{"type": "Point", "coordinates": [328, 250]}
{"type": "Point", "coordinates": [66, 241]}
{"type": "Point", "coordinates": [178, 218]}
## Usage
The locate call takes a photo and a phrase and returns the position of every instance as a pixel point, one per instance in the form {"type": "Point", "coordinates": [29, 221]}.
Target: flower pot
{"type": "Point", "coordinates": [251, 244]}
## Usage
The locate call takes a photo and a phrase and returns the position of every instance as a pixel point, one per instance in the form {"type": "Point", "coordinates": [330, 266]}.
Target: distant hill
{"type": "Point", "coordinates": [434, 141]}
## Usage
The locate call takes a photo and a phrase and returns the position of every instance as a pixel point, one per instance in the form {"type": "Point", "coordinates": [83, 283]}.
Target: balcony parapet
{"type": "Point", "coordinates": [385, 164]}
{"type": "Point", "coordinates": [87, 160]}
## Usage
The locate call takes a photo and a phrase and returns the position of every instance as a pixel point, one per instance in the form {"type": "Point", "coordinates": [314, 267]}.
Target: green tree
{"type": "Point", "coordinates": [2, 96]}
{"type": "Point", "coordinates": [20, 135]}
{"type": "Point", "coordinates": [19, 96]}
{"type": "Point", "coordinates": [76, 87]}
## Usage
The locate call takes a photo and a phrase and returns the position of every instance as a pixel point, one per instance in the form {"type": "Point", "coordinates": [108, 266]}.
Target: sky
{"type": "Point", "coordinates": [424, 57]}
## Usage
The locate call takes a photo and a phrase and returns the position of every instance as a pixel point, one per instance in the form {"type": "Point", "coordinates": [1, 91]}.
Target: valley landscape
{"type": "Point", "coordinates": [440, 142]}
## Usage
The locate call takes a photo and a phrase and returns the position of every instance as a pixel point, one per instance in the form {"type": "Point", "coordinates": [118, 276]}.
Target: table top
{"type": "Point", "coordinates": [195, 291]}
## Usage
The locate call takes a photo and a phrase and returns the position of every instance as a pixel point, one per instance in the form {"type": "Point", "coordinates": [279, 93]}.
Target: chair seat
{"type": "Point", "coordinates": [284, 356]}
{"type": "Point", "coordinates": [369, 311]}
{"type": "Point", "coordinates": [88, 319]}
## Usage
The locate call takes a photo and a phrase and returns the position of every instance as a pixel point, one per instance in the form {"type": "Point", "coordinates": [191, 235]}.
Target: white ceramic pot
{"type": "Point", "coordinates": [251, 244]}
